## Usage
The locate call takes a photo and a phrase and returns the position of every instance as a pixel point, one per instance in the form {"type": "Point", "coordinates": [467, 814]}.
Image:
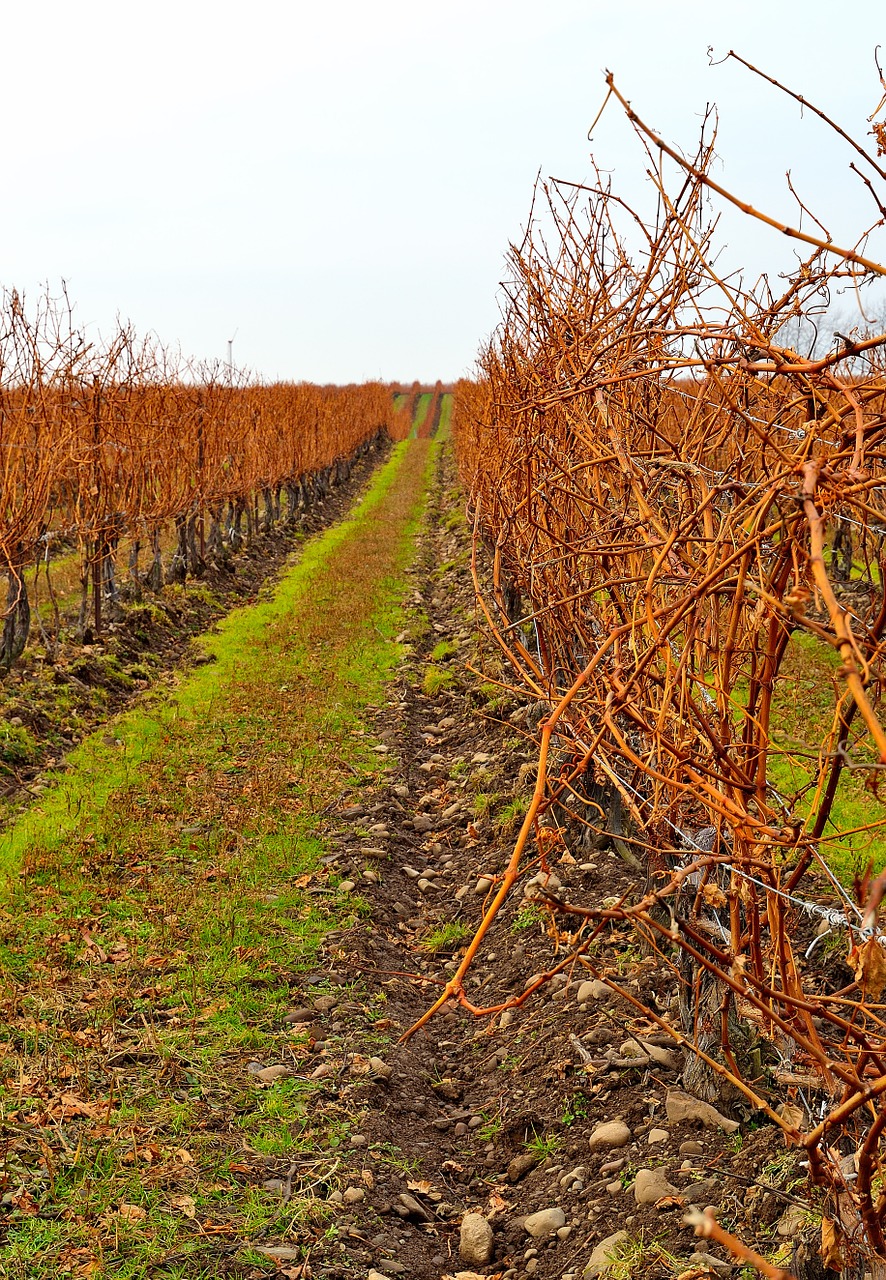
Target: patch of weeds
{"type": "Point", "coordinates": [512, 814]}
{"type": "Point", "coordinates": [18, 747]}
{"type": "Point", "coordinates": [481, 780]}
{"type": "Point", "coordinates": [543, 1145]}
{"type": "Point", "coordinates": [436, 679]}
{"type": "Point", "coordinates": [443, 651]}
{"type": "Point", "coordinates": [484, 803]}
{"type": "Point", "coordinates": [447, 937]}
{"type": "Point", "coordinates": [576, 1109]}
{"type": "Point", "coordinates": [527, 917]}
{"type": "Point", "coordinates": [490, 1128]}
{"type": "Point", "coordinates": [641, 1256]}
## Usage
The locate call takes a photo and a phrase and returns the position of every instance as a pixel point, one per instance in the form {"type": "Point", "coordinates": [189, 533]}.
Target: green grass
{"type": "Point", "coordinates": [160, 905]}
{"type": "Point", "coordinates": [422, 406]}
{"type": "Point", "coordinates": [802, 719]}
{"type": "Point", "coordinates": [436, 679]}
{"type": "Point", "coordinates": [444, 650]}
{"type": "Point", "coordinates": [447, 937]}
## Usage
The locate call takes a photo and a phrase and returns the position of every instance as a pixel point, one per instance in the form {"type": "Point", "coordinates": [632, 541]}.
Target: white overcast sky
{"type": "Point", "coordinates": [337, 182]}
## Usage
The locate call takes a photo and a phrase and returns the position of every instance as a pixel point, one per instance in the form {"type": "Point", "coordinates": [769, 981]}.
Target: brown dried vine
{"type": "Point", "coordinates": [674, 509]}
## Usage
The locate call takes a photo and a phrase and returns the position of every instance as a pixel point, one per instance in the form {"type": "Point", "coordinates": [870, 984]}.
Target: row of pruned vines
{"type": "Point", "coordinates": [122, 442]}
{"type": "Point", "coordinates": [680, 524]}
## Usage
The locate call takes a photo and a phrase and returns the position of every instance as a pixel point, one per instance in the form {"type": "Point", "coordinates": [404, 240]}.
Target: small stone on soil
{"type": "Point", "coordinates": [613, 1133]}
{"type": "Point", "coordinates": [545, 1222]}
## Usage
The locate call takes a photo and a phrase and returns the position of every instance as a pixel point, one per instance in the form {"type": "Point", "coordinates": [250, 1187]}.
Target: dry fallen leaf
{"type": "Point", "coordinates": [130, 1213]}
{"type": "Point", "coordinates": [869, 966]}
{"type": "Point", "coordinates": [25, 1204]}
{"type": "Point", "coordinates": [831, 1242]}
{"type": "Point", "coordinates": [497, 1204]}
{"type": "Point", "coordinates": [185, 1204]}
{"type": "Point", "coordinates": [421, 1186]}
{"type": "Point", "coordinates": [792, 1115]}
{"type": "Point", "coordinates": [713, 895]}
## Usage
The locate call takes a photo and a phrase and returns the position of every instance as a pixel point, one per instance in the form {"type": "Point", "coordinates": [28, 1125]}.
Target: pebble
{"type": "Point", "coordinates": [354, 1195]}
{"type": "Point", "coordinates": [709, 1262]}
{"type": "Point", "coordinates": [657, 1135]}
{"type": "Point", "coordinates": [267, 1075]}
{"type": "Point", "coordinates": [483, 885]}
{"type": "Point", "coordinates": [475, 1240]}
{"type": "Point", "coordinates": [357, 1140]}
{"type": "Point", "coordinates": [593, 989]}
{"type": "Point", "coordinates": [380, 1069]}
{"type": "Point", "coordinates": [602, 1254]}
{"type": "Point", "coordinates": [424, 884]}
{"type": "Point", "coordinates": [698, 1192]}
{"type": "Point", "coordinates": [791, 1221]}
{"type": "Point", "coordinates": [295, 1016]}
{"type": "Point", "coordinates": [612, 1166]}
{"type": "Point", "coordinates": [614, 1188]}
{"type": "Point", "coordinates": [683, 1108]}
{"type": "Point", "coordinates": [691, 1149]}
{"type": "Point", "coordinates": [371, 876]}
{"type": "Point", "coordinates": [613, 1133]}
{"type": "Point", "coordinates": [346, 886]}
{"type": "Point", "coordinates": [545, 1222]}
{"type": "Point", "coordinates": [652, 1185]}
{"type": "Point", "coordinates": [521, 1165]}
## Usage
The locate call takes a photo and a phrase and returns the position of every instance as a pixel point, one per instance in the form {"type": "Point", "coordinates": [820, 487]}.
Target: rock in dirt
{"type": "Point", "coordinates": [652, 1185]}
{"type": "Point", "coordinates": [593, 989]}
{"type": "Point", "coordinates": [475, 1240]}
{"type": "Point", "coordinates": [707, 1260]}
{"type": "Point", "coordinates": [657, 1135]}
{"type": "Point", "coordinates": [267, 1075]}
{"type": "Point", "coordinates": [613, 1133]}
{"type": "Point", "coordinates": [602, 1255]}
{"type": "Point", "coordinates": [545, 1222]}
{"type": "Point", "coordinates": [682, 1108]}
{"type": "Point", "coordinates": [354, 1195]}
{"type": "Point", "coordinates": [294, 1016]}
{"type": "Point", "coordinates": [791, 1221]}
{"type": "Point", "coordinates": [379, 1069]}
{"type": "Point", "coordinates": [521, 1165]}
{"type": "Point", "coordinates": [411, 1208]}
{"type": "Point", "coordinates": [703, 1192]}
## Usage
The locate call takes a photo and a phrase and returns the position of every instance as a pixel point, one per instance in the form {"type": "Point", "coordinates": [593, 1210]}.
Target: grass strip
{"type": "Point", "coordinates": [162, 909]}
